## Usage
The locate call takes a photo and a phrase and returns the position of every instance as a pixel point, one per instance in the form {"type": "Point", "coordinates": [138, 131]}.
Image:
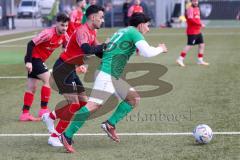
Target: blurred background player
{"type": "Point", "coordinates": [194, 34]}
{"type": "Point", "coordinates": [126, 6]}
{"type": "Point", "coordinates": [135, 8]}
{"type": "Point", "coordinates": [76, 16]}
{"type": "Point", "coordinates": [108, 79]}
{"type": "Point", "coordinates": [38, 51]}
{"type": "Point", "coordinates": [82, 42]}
{"type": "Point", "coordinates": [89, 3]}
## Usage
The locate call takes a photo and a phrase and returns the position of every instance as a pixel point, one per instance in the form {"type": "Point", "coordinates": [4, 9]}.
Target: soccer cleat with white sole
{"type": "Point", "coordinates": [48, 122]}
{"type": "Point", "coordinates": [111, 131]}
{"type": "Point", "coordinates": [180, 62]}
{"type": "Point", "coordinates": [67, 143]}
{"type": "Point", "coordinates": [201, 62]}
{"type": "Point", "coordinates": [54, 142]}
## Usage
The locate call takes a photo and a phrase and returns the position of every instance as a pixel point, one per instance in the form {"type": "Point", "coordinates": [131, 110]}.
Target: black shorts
{"type": "Point", "coordinates": [38, 67]}
{"type": "Point", "coordinates": [66, 78]}
{"type": "Point", "coordinates": [195, 39]}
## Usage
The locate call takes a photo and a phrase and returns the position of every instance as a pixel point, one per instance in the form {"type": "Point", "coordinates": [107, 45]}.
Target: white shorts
{"type": "Point", "coordinates": [105, 85]}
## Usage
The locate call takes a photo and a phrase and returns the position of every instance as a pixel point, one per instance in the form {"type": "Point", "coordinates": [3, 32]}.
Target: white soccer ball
{"type": "Point", "coordinates": [203, 134]}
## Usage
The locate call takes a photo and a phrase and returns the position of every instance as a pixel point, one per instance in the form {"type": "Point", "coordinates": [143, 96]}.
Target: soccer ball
{"type": "Point", "coordinates": [203, 134]}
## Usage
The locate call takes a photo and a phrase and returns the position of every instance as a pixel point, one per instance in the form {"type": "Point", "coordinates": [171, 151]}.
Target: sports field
{"type": "Point", "coordinates": [160, 127]}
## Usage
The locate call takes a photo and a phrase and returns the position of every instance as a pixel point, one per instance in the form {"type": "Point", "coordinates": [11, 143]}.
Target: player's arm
{"type": "Point", "coordinates": [83, 39]}
{"type": "Point", "coordinates": [146, 50]}
{"type": "Point", "coordinates": [130, 11]}
{"type": "Point", "coordinates": [28, 57]}
{"type": "Point", "coordinates": [96, 50]}
{"type": "Point", "coordinates": [191, 19]}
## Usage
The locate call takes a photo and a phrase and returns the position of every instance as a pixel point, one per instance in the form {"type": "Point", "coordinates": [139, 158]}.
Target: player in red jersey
{"type": "Point", "coordinates": [82, 42]}
{"type": "Point", "coordinates": [135, 8]}
{"type": "Point", "coordinates": [194, 34]}
{"type": "Point", "coordinates": [38, 51]}
{"type": "Point", "coordinates": [76, 16]}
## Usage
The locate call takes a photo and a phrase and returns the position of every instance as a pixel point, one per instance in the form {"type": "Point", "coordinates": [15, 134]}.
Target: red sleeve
{"type": "Point", "coordinates": [42, 37]}
{"type": "Point", "coordinates": [191, 19]}
{"type": "Point", "coordinates": [130, 11]}
{"type": "Point", "coordinates": [82, 37]}
{"type": "Point", "coordinates": [73, 16]}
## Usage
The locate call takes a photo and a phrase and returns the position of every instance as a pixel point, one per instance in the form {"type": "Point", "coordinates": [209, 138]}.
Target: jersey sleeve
{"type": "Point", "coordinates": [130, 11]}
{"type": "Point", "coordinates": [82, 37]}
{"type": "Point", "coordinates": [42, 37]}
{"type": "Point", "coordinates": [73, 16]}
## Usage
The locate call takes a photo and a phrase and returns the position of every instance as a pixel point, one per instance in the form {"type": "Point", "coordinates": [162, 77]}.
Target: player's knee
{"type": "Point", "coordinates": [134, 101]}
{"type": "Point", "coordinates": [32, 89]}
{"type": "Point", "coordinates": [202, 45]}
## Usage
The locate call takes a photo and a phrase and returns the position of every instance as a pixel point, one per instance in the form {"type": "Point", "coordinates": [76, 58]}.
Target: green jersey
{"type": "Point", "coordinates": [120, 48]}
{"type": "Point", "coordinates": [84, 19]}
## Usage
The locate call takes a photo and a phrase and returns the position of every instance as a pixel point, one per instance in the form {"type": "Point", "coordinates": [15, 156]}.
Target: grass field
{"type": "Point", "coordinates": [208, 95]}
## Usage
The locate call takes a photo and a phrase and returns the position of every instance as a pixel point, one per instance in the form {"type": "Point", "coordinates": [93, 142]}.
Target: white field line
{"type": "Point", "coordinates": [16, 39]}
{"type": "Point", "coordinates": [13, 77]}
{"type": "Point", "coordinates": [121, 134]}
{"type": "Point", "coordinates": [10, 46]}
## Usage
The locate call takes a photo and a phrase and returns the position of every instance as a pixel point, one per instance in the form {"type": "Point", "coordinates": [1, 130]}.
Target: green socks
{"type": "Point", "coordinates": [82, 115]}
{"type": "Point", "coordinates": [79, 119]}
{"type": "Point", "coordinates": [122, 110]}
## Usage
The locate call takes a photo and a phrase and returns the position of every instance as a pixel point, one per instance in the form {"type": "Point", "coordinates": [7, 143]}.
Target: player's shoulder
{"type": "Point", "coordinates": [74, 11]}
{"type": "Point", "coordinates": [47, 32]}
{"type": "Point", "coordinates": [131, 30]}
{"type": "Point", "coordinates": [83, 28]}
{"type": "Point", "coordinates": [50, 31]}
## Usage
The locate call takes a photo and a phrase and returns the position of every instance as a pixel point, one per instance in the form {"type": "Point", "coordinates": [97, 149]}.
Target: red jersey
{"type": "Point", "coordinates": [46, 42]}
{"type": "Point", "coordinates": [76, 17]}
{"type": "Point", "coordinates": [73, 53]}
{"type": "Point", "coordinates": [135, 9]}
{"type": "Point", "coordinates": [193, 21]}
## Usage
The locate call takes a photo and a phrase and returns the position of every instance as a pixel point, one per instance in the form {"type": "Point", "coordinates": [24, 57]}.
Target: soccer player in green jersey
{"type": "Point", "coordinates": [121, 47]}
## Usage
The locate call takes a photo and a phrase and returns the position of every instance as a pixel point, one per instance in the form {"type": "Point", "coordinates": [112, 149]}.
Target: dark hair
{"type": "Point", "coordinates": [138, 18]}
{"type": "Point", "coordinates": [62, 17]}
{"type": "Point", "coordinates": [93, 9]}
{"type": "Point", "coordinates": [78, 1]}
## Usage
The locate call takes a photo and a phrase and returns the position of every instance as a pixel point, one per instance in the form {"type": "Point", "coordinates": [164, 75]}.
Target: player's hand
{"type": "Point", "coordinates": [29, 67]}
{"type": "Point", "coordinates": [203, 25]}
{"type": "Point", "coordinates": [163, 46]}
{"type": "Point", "coordinates": [107, 40]}
{"type": "Point", "coordinates": [81, 69]}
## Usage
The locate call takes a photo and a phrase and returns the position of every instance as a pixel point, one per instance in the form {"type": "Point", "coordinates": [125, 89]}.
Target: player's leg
{"type": "Point", "coordinates": [190, 42]}
{"type": "Point", "coordinates": [28, 100]}
{"type": "Point", "coordinates": [45, 93]}
{"type": "Point", "coordinates": [102, 90]}
{"type": "Point", "coordinates": [201, 48]}
{"type": "Point", "coordinates": [65, 112]}
{"type": "Point", "coordinates": [72, 88]}
{"type": "Point", "coordinates": [130, 100]}
{"type": "Point", "coordinates": [77, 122]}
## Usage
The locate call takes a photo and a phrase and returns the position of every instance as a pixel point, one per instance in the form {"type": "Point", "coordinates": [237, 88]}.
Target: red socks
{"type": "Point", "coordinates": [28, 100]}
{"type": "Point", "coordinates": [66, 115]}
{"type": "Point", "coordinates": [200, 55]}
{"type": "Point", "coordinates": [45, 95]}
{"type": "Point", "coordinates": [183, 54]}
